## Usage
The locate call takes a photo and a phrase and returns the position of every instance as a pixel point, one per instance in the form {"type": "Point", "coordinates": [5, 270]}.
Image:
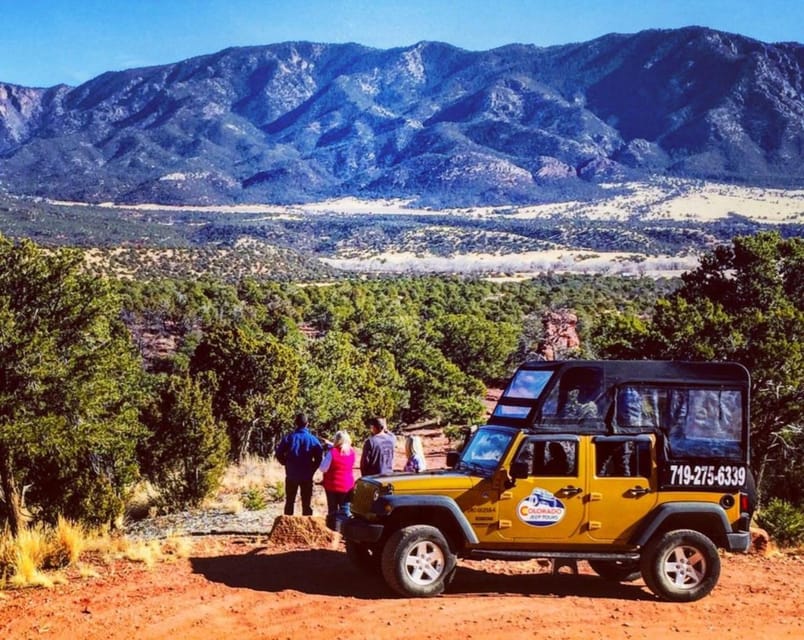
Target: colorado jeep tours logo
{"type": "Point", "coordinates": [541, 509]}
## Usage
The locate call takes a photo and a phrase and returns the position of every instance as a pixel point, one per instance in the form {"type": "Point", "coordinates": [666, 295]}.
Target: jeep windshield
{"type": "Point", "coordinates": [484, 451]}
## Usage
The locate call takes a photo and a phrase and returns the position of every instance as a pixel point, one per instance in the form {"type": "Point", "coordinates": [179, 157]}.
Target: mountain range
{"type": "Point", "coordinates": [299, 121]}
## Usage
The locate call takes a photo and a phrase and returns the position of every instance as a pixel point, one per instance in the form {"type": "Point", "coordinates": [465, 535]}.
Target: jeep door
{"type": "Point", "coordinates": [622, 487]}
{"type": "Point", "coordinates": [548, 505]}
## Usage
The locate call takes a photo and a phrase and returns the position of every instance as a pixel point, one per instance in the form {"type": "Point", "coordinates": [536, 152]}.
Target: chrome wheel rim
{"type": "Point", "coordinates": [685, 567]}
{"type": "Point", "coordinates": [424, 563]}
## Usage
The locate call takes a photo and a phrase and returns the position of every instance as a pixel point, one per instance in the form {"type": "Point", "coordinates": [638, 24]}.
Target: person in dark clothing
{"type": "Point", "coordinates": [378, 450]}
{"type": "Point", "coordinates": [300, 452]}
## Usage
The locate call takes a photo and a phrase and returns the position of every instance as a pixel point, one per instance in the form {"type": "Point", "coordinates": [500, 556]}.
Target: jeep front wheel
{"type": "Point", "coordinates": [681, 566]}
{"type": "Point", "coordinates": [417, 561]}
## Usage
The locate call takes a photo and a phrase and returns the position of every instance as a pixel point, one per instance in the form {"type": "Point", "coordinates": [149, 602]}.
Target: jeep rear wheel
{"type": "Point", "coordinates": [616, 570]}
{"type": "Point", "coordinates": [417, 561]}
{"type": "Point", "coordinates": [681, 566]}
{"type": "Point", "coordinates": [363, 556]}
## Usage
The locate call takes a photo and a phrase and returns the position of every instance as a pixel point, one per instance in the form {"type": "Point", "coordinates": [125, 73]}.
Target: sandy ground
{"type": "Point", "coordinates": [249, 588]}
{"type": "Point", "coordinates": [669, 198]}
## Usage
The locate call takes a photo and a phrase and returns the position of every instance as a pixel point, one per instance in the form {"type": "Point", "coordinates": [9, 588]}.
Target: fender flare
{"type": "Point", "coordinates": [659, 515]}
{"type": "Point", "coordinates": [386, 505]}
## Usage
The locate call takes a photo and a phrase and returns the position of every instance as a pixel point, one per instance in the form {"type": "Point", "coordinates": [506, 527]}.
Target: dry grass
{"type": "Point", "coordinates": [147, 552]}
{"type": "Point", "coordinates": [71, 538]}
{"type": "Point", "coordinates": [34, 556]}
{"type": "Point", "coordinates": [252, 471]}
{"type": "Point", "coordinates": [25, 557]}
{"type": "Point", "coordinates": [240, 480]}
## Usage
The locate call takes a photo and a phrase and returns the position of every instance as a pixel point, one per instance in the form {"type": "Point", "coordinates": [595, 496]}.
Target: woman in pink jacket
{"type": "Point", "coordinates": [339, 480]}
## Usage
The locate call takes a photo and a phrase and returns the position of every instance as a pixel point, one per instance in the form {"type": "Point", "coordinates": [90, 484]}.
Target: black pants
{"type": "Point", "coordinates": [291, 489]}
{"type": "Point", "coordinates": [337, 501]}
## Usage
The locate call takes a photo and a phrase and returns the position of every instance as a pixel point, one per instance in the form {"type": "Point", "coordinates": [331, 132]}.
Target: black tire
{"type": "Point", "coordinates": [417, 561]}
{"type": "Point", "coordinates": [364, 557]}
{"type": "Point", "coordinates": [617, 570]}
{"type": "Point", "coordinates": [681, 565]}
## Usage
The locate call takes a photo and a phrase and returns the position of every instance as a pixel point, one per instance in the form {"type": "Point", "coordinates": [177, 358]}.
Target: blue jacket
{"type": "Point", "coordinates": [301, 453]}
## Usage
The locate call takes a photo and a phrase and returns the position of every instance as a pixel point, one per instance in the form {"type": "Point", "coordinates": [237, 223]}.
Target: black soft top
{"type": "Point", "coordinates": [590, 396]}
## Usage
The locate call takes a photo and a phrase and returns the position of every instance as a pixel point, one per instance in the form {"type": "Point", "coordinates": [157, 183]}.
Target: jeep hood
{"type": "Point", "coordinates": [441, 481]}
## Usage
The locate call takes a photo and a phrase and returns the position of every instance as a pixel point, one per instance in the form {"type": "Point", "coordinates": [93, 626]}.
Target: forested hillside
{"type": "Point", "coordinates": [107, 381]}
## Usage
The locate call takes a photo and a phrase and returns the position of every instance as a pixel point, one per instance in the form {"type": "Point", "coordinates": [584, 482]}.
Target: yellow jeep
{"type": "Point", "coordinates": [638, 467]}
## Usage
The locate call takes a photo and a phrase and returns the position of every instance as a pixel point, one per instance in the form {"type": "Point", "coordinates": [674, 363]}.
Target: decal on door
{"type": "Point", "coordinates": [541, 509]}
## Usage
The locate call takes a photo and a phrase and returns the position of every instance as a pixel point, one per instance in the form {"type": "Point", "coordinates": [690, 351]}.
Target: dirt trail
{"type": "Point", "coordinates": [248, 589]}
{"type": "Point", "coordinates": [301, 588]}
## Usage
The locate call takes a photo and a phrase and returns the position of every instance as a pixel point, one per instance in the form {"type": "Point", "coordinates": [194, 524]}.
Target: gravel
{"type": "Point", "coordinates": [205, 522]}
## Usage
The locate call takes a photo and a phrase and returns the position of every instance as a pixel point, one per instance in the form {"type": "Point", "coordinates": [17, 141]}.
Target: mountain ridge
{"type": "Point", "coordinates": [300, 121]}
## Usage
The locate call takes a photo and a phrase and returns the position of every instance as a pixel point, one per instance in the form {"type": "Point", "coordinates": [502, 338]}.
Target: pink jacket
{"type": "Point", "coordinates": [339, 477]}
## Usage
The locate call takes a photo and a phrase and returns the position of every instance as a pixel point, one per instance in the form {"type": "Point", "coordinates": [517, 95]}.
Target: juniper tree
{"type": "Point", "coordinates": [69, 389]}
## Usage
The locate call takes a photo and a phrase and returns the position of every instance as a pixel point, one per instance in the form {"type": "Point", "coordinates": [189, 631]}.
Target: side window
{"type": "Point", "coordinates": [556, 457]}
{"type": "Point", "coordinates": [640, 407]}
{"type": "Point", "coordinates": [622, 458]}
{"type": "Point", "coordinates": [578, 396]}
{"type": "Point", "coordinates": [698, 422]}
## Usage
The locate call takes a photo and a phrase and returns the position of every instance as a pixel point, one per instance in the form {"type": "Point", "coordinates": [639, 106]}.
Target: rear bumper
{"type": "Point", "coordinates": [738, 541]}
{"type": "Point", "coordinates": [358, 530]}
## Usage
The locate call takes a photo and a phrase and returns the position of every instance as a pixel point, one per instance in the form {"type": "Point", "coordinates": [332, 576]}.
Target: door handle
{"type": "Point", "coordinates": [571, 491]}
{"type": "Point", "coordinates": [638, 491]}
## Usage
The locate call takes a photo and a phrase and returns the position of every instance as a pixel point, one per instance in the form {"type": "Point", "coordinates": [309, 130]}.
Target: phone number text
{"type": "Point", "coordinates": [707, 475]}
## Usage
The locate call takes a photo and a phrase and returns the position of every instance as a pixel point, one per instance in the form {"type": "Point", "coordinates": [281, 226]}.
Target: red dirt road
{"type": "Point", "coordinates": [247, 589]}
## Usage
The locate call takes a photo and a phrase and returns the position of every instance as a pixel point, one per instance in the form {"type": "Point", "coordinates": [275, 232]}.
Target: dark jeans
{"type": "Point", "coordinates": [291, 489]}
{"type": "Point", "coordinates": [338, 500]}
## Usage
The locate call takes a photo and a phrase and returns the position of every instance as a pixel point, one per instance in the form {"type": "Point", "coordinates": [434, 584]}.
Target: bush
{"type": "Point", "coordinates": [254, 499]}
{"type": "Point", "coordinates": [186, 455]}
{"type": "Point", "coordinates": [277, 491]}
{"type": "Point", "coordinates": [783, 521]}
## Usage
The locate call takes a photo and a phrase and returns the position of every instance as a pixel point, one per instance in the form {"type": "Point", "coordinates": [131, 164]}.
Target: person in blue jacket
{"type": "Point", "coordinates": [300, 452]}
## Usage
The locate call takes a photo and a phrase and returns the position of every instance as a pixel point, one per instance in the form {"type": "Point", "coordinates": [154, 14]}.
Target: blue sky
{"type": "Point", "coordinates": [46, 42]}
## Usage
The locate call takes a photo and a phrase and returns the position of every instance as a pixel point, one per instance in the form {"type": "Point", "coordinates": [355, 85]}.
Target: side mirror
{"type": "Point", "coordinates": [452, 459]}
{"type": "Point", "coordinates": [519, 470]}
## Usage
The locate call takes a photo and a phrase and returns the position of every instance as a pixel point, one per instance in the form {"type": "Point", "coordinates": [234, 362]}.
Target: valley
{"type": "Point", "coordinates": [656, 228]}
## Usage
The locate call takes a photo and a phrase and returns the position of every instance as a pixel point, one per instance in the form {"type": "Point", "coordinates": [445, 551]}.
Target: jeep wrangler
{"type": "Point", "coordinates": [638, 467]}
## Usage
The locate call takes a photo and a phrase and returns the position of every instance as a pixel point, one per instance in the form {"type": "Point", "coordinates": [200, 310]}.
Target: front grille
{"type": "Point", "coordinates": [364, 495]}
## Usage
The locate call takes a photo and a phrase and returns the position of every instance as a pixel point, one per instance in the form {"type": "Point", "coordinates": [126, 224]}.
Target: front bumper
{"type": "Point", "coordinates": [358, 530]}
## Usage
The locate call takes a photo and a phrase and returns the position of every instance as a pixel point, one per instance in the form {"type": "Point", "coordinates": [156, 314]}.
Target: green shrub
{"type": "Point", "coordinates": [277, 491]}
{"type": "Point", "coordinates": [783, 521]}
{"type": "Point", "coordinates": [186, 454]}
{"type": "Point", "coordinates": [254, 499]}
{"type": "Point", "coordinates": [454, 433]}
